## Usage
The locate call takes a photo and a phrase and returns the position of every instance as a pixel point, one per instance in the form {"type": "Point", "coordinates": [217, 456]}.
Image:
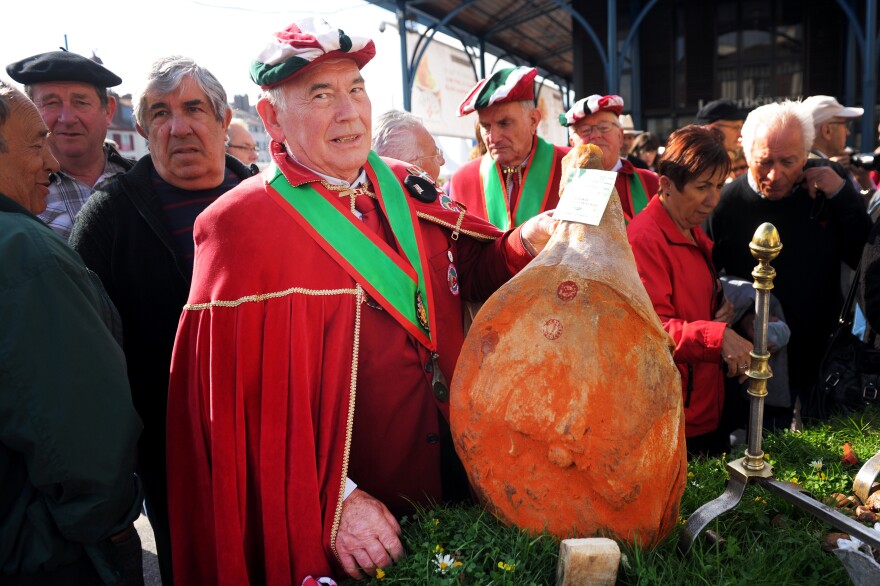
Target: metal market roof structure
{"type": "Point", "coordinates": [544, 34]}
{"type": "Point", "coordinates": [539, 33]}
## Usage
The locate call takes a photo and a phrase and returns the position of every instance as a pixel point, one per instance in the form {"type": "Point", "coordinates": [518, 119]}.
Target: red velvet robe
{"type": "Point", "coordinates": [466, 186]}
{"type": "Point", "coordinates": [273, 350]}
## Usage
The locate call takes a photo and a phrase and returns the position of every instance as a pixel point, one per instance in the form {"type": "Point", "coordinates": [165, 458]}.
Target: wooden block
{"type": "Point", "coordinates": [593, 561]}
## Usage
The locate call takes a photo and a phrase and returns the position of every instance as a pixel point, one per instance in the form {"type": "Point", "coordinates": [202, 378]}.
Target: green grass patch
{"type": "Point", "coordinates": [764, 540]}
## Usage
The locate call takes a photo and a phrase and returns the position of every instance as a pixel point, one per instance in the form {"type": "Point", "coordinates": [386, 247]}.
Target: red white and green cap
{"type": "Point", "coordinates": [591, 105]}
{"type": "Point", "coordinates": [304, 44]}
{"type": "Point", "coordinates": [512, 84]}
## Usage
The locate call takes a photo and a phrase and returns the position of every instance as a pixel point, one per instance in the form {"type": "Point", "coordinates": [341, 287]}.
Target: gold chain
{"type": "Point", "coordinates": [264, 296]}
{"type": "Point", "coordinates": [349, 423]}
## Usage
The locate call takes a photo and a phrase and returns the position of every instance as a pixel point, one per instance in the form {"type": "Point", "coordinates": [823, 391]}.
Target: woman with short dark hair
{"type": "Point", "coordinates": [674, 259]}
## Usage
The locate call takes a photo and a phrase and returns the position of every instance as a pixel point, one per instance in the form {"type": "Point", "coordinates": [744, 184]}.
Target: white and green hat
{"type": "Point", "coordinates": [304, 44]}
{"type": "Point", "coordinates": [512, 84]}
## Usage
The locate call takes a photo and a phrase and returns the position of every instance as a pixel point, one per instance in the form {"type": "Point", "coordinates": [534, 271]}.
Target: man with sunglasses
{"type": "Point", "coordinates": [595, 120]}
{"type": "Point", "coordinates": [518, 177]}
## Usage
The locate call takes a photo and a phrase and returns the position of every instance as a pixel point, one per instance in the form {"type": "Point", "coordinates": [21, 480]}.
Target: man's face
{"type": "Point", "coordinates": [187, 142]}
{"type": "Point", "coordinates": [777, 160]}
{"type": "Point", "coordinates": [507, 129]}
{"type": "Point", "coordinates": [603, 130]}
{"type": "Point", "coordinates": [27, 162]}
{"type": "Point", "coordinates": [73, 112]}
{"type": "Point", "coordinates": [835, 132]}
{"type": "Point", "coordinates": [242, 145]}
{"type": "Point", "coordinates": [430, 156]}
{"type": "Point", "coordinates": [732, 131]}
{"type": "Point", "coordinates": [628, 139]}
{"type": "Point", "coordinates": [325, 119]}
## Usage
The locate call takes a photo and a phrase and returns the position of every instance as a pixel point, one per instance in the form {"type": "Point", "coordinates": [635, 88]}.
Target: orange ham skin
{"type": "Point", "coordinates": [566, 405]}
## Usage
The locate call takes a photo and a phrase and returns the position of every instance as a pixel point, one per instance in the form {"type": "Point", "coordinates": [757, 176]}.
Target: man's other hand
{"type": "Point", "coordinates": [368, 536]}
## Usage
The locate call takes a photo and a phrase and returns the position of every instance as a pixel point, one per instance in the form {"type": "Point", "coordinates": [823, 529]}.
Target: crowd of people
{"type": "Point", "coordinates": [262, 360]}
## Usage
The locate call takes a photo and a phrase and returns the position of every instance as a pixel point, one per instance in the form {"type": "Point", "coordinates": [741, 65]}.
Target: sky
{"type": "Point", "coordinates": [222, 35]}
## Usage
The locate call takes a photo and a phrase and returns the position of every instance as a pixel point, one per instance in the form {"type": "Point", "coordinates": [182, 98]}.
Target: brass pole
{"type": "Point", "coordinates": [765, 246]}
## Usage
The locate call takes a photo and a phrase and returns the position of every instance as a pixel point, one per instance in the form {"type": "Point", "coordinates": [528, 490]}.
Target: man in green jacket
{"type": "Point", "coordinates": [68, 429]}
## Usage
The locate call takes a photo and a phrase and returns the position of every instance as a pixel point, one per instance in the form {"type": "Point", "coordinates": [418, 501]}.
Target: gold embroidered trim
{"type": "Point", "coordinates": [457, 227]}
{"type": "Point", "coordinates": [264, 296]}
{"type": "Point", "coordinates": [349, 423]}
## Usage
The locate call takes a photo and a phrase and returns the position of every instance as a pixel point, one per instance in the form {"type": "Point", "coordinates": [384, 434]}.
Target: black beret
{"type": "Point", "coordinates": [61, 66]}
{"type": "Point", "coordinates": [719, 110]}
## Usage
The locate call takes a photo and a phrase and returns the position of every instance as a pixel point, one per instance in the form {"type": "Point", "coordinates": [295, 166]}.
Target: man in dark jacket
{"type": "Point", "coordinates": [137, 235]}
{"type": "Point", "coordinates": [68, 429]}
{"type": "Point", "coordinates": [821, 223]}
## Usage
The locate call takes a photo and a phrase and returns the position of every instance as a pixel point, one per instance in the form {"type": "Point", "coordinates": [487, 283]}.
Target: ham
{"type": "Point", "coordinates": [566, 406]}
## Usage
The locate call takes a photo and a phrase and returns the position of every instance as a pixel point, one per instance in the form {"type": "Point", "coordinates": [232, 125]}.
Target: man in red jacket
{"type": "Point", "coordinates": [334, 275]}
{"type": "Point", "coordinates": [595, 120]}
{"type": "Point", "coordinates": [518, 177]}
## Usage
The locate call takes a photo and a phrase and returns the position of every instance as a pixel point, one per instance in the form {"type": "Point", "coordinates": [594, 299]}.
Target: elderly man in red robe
{"type": "Point", "coordinates": [308, 401]}
{"type": "Point", "coordinates": [596, 120]}
{"type": "Point", "coordinates": [518, 178]}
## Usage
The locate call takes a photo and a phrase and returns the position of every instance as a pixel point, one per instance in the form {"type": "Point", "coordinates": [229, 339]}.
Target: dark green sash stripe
{"type": "Point", "coordinates": [637, 193]}
{"type": "Point", "coordinates": [390, 281]}
{"type": "Point", "coordinates": [533, 192]}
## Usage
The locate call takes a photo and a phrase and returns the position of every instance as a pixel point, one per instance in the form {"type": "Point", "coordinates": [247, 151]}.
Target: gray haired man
{"type": "Point", "coordinates": [137, 235]}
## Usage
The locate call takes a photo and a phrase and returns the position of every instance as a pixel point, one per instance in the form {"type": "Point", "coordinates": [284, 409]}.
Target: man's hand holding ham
{"type": "Point", "coordinates": [368, 536]}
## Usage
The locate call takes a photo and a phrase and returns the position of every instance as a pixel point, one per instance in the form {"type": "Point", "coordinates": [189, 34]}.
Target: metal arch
{"type": "Point", "coordinates": [869, 44]}
{"type": "Point", "coordinates": [429, 35]}
{"type": "Point", "coordinates": [853, 21]}
{"type": "Point", "coordinates": [419, 53]}
{"type": "Point", "coordinates": [577, 16]}
{"type": "Point", "coordinates": [634, 29]}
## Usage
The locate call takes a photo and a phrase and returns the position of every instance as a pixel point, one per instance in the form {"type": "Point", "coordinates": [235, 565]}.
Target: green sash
{"type": "Point", "coordinates": [532, 195]}
{"type": "Point", "coordinates": [399, 285]}
{"type": "Point", "coordinates": [637, 193]}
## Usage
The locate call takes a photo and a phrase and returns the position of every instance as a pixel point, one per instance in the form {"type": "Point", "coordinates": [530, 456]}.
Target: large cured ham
{"type": "Point", "coordinates": [566, 405]}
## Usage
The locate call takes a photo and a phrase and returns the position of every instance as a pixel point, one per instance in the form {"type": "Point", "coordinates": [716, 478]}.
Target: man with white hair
{"type": "Point", "coordinates": [402, 136]}
{"type": "Point", "coordinates": [518, 177]}
{"type": "Point", "coordinates": [820, 220]}
{"type": "Point", "coordinates": [596, 120]}
{"type": "Point", "coordinates": [336, 274]}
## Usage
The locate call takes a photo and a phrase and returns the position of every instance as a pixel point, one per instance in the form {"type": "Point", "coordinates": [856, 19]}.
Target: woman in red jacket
{"type": "Point", "coordinates": [674, 259]}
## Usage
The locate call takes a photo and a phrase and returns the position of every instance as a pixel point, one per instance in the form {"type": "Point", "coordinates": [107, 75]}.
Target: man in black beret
{"type": "Point", "coordinates": [70, 92]}
{"type": "Point", "coordinates": [727, 117]}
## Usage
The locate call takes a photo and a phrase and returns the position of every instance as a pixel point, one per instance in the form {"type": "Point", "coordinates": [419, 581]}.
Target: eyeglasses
{"type": "Point", "coordinates": [438, 152]}
{"type": "Point", "coordinates": [244, 147]}
{"type": "Point", "coordinates": [847, 123]}
{"type": "Point", "coordinates": [601, 128]}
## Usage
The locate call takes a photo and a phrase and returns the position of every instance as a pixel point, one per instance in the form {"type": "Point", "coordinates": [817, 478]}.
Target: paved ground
{"type": "Point", "coordinates": [151, 562]}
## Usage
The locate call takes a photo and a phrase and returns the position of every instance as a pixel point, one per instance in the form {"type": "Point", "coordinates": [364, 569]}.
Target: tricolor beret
{"type": "Point", "coordinates": [512, 84]}
{"type": "Point", "coordinates": [304, 44]}
{"type": "Point", "coordinates": [61, 66]}
{"type": "Point", "coordinates": [591, 105]}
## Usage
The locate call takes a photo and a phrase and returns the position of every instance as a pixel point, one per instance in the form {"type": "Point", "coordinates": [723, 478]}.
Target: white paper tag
{"type": "Point", "coordinates": [586, 197]}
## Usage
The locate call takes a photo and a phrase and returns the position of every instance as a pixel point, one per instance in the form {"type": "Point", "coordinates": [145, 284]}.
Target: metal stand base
{"type": "Point", "coordinates": [789, 491]}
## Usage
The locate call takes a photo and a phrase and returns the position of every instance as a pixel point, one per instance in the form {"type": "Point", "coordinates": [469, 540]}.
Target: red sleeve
{"type": "Point", "coordinates": [695, 341]}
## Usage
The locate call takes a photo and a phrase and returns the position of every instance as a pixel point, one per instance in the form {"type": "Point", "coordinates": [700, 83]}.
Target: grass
{"type": "Point", "coordinates": [764, 540]}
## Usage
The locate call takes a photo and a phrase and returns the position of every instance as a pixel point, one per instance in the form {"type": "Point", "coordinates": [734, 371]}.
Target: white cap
{"type": "Point", "coordinates": [626, 122]}
{"type": "Point", "coordinates": [824, 108]}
